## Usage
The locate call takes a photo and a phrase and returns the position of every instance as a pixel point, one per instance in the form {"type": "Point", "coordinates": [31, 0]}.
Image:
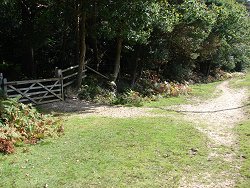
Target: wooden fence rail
{"type": "Point", "coordinates": [40, 91]}
{"type": "Point", "coordinates": [70, 74]}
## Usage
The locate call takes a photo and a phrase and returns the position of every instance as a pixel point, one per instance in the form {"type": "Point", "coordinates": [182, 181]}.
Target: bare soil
{"type": "Point", "coordinates": [85, 109]}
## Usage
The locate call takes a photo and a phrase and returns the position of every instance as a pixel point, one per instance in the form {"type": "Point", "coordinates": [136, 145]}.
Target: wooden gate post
{"type": "Point", "coordinates": [59, 75]}
{"type": "Point", "coordinates": [1, 82]}
{"type": "Point", "coordinates": [1, 79]}
{"type": "Point", "coordinates": [56, 72]}
{"type": "Point", "coordinates": [5, 87]}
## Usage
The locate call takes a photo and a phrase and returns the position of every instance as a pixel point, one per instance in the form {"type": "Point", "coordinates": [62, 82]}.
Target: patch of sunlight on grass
{"type": "Point", "coordinates": [204, 91]}
{"type": "Point", "coordinates": [166, 102]}
{"type": "Point", "coordinates": [243, 130]}
{"type": "Point", "coordinates": [241, 82]}
{"type": "Point", "coordinates": [244, 136]}
{"type": "Point", "coordinates": [106, 152]}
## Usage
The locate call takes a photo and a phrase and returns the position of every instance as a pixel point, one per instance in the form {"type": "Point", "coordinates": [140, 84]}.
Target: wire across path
{"type": "Point", "coordinates": [204, 112]}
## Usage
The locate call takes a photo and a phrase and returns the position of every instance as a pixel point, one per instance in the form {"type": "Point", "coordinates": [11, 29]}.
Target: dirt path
{"type": "Point", "coordinates": [84, 109]}
{"type": "Point", "coordinates": [216, 119]}
{"type": "Point", "coordinates": [220, 114]}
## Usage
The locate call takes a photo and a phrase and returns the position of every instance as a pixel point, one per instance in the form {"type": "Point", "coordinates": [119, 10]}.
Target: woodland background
{"type": "Point", "coordinates": [174, 39]}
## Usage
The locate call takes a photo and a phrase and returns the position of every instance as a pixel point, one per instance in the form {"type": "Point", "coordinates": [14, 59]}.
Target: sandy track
{"type": "Point", "coordinates": [220, 114]}
{"type": "Point", "coordinates": [84, 109]}
{"type": "Point", "coordinates": [216, 119]}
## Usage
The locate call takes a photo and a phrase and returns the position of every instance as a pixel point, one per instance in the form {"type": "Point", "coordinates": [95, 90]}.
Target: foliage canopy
{"type": "Point", "coordinates": [173, 38]}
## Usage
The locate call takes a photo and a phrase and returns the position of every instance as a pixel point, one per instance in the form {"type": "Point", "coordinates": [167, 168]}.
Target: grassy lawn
{"type": "Point", "coordinates": [244, 135]}
{"type": "Point", "coordinates": [166, 102]}
{"type": "Point", "coordinates": [204, 91]}
{"type": "Point", "coordinates": [105, 152]}
{"type": "Point", "coordinates": [239, 83]}
{"type": "Point", "coordinates": [243, 130]}
{"type": "Point", "coordinates": [109, 152]}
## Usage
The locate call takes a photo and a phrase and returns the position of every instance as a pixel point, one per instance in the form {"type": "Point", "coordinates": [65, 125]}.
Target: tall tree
{"type": "Point", "coordinates": [126, 21]}
{"type": "Point", "coordinates": [82, 38]}
{"type": "Point", "coordinates": [29, 12]}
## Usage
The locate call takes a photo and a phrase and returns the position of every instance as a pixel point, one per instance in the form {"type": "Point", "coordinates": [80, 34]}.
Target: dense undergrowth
{"type": "Point", "coordinates": [20, 123]}
{"type": "Point", "coordinates": [150, 87]}
{"type": "Point", "coordinates": [146, 90]}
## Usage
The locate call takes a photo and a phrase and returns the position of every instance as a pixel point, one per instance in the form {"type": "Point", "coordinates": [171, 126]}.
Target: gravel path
{"type": "Point", "coordinates": [221, 114]}
{"type": "Point", "coordinates": [85, 109]}
{"type": "Point", "coordinates": [216, 119]}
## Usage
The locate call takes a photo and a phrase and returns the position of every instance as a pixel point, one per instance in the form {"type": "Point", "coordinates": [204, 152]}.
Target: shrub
{"type": "Point", "coordinates": [23, 123]}
{"type": "Point", "coordinates": [6, 146]}
{"type": "Point", "coordinates": [152, 85]}
{"type": "Point", "coordinates": [105, 97]}
{"type": "Point", "coordinates": [178, 72]}
{"type": "Point", "coordinates": [149, 87]}
{"type": "Point", "coordinates": [130, 97]}
{"type": "Point", "coordinates": [222, 75]}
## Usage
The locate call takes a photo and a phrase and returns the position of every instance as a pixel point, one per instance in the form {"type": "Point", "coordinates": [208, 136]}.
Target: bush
{"type": "Point", "coordinates": [96, 90]}
{"type": "Point", "coordinates": [130, 97]}
{"type": "Point", "coordinates": [23, 123]}
{"type": "Point", "coordinates": [1, 94]}
{"type": "Point", "coordinates": [6, 146]}
{"type": "Point", "coordinates": [222, 75]}
{"type": "Point", "coordinates": [105, 97]}
{"type": "Point", "coordinates": [149, 87]}
{"type": "Point", "coordinates": [178, 72]}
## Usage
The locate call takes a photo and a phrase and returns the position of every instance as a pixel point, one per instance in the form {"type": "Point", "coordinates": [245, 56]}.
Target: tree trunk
{"type": "Point", "coordinates": [77, 32]}
{"type": "Point", "coordinates": [208, 69]}
{"type": "Point", "coordinates": [32, 61]}
{"type": "Point", "coordinates": [140, 70]}
{"type": "Point", "coordinates": [82, 34]}
{"type": "Point", "coordinates": [117, 59]}
{"type": "Point", "coordinates": [134, 73]}
{"type": "Point", "coordinates": [137, 59]}
{"type": "Point", "coordinates": [94, 37]}
{"type": "Point", "coordinates": [28, 19]}
{"type": "Point", "coordinates": [63, 54]}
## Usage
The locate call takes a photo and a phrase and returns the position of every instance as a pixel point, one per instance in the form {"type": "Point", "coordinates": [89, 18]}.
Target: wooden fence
{"type": "Point", "coordinates": [69, 75]}
{"type": "Point", "coordinates": [40, 91]}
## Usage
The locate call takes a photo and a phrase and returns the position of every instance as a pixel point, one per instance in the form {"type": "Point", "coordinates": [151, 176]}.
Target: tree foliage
{"type": "Point", "coordinates": [123, 37]}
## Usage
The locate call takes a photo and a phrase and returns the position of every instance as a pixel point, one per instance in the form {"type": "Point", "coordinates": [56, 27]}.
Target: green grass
{"type": "Point", "coordinates": [108, 152]}
{"type": "Point", "coordinates": [243, 130]}
{"type": "Point", "coordinates": [166, 101]}
{"type": "Point", "coordinates": [105, 152]}
{"type": "Point", "coordinates": [239, 83]}
{"type": "Point", "coordinates": [204, 91]}
{"type": "Point", "coordinates": [244, 135]}
{"type": "Point", "coordinates": [198, 91]}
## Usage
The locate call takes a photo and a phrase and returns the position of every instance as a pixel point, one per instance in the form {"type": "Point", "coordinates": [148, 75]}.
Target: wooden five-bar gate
{"type": "Point", "coordinates": [40, 91]}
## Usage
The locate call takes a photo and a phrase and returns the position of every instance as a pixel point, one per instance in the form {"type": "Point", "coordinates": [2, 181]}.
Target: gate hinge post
{"type": "Point", "coordinates": [59, 75]}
